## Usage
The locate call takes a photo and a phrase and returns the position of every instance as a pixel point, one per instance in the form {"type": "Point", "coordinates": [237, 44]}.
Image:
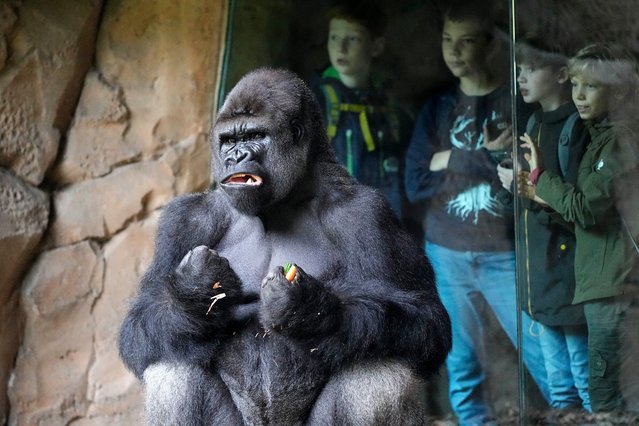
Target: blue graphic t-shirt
{"type": "Point", "coordinates": [467, 207]}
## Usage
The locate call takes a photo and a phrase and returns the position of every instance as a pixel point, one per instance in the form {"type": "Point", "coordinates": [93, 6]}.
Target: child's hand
{"type": "Point", "coordinates": [503, 141]}
{"type": "Point", "coordinates": [506, 176]}
{"type": "Point", "coordinates": [533, 158]}
{"type": "Point", "coordinates": [527, 189]}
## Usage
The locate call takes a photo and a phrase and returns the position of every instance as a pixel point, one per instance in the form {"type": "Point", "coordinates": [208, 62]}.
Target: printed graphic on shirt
{"type": "Point", "coordinates": [472, 201]}
{"type": "Point", "coordinates": [466, 135]}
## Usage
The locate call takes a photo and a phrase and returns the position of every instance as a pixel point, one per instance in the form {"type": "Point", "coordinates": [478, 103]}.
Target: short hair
{"type": "Point", "coordinates": [535, 51]}
{"type": "Point", "coordinates": [368, 14]}
{"type": "Point", "coordinates": [607, 63]}
{"type": "Point", "coordinates": [465, 10]}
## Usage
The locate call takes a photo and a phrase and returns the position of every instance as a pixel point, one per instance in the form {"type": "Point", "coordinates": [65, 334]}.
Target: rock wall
{"type": "Point", "coordinates": [105, 107]}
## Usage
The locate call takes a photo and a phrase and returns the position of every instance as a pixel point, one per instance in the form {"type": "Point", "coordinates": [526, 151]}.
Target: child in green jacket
{"type": "Point", "coordinates": [603, 78]}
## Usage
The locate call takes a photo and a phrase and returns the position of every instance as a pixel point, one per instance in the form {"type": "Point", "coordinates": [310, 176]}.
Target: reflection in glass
{"type": "Point", "coordinates": [460, 195]}
{"type": "Point", "coordinates": [579, 158]}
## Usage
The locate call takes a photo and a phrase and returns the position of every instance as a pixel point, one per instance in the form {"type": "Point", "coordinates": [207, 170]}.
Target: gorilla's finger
{"type": "Point", "coordinates": [245, 311]}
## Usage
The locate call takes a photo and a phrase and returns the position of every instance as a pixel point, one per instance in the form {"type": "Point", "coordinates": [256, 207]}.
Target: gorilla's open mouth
{"type": "Point", "coordinates": [243, 179]}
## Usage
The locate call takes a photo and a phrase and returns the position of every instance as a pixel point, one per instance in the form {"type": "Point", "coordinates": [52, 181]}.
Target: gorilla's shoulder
{"type": "Point", "coordinates": [355, 206]}
{"type": "Point", "coordinates": [193, 211]}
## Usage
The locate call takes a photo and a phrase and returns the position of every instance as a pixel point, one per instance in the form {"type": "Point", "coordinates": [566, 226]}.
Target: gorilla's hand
{"type": "Point", "coordinates": [302, 308]}
{"type": "Point", "coordinates": [204, 281]}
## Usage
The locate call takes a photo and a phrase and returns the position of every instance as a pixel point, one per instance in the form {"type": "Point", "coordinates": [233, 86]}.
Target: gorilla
{"type": "Point", "coordinates": [217, 333]}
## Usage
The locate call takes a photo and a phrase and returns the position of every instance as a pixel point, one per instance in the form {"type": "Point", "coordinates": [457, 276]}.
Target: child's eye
{"type": "Point", "coordinates": [353, 38]}
{"type": "Point", "coordinates": [469, 40]}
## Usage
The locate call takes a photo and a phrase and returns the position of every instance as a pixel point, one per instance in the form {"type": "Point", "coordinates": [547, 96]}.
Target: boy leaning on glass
{"type": "Point", "coordinates": [604, 80]}
{"type": "Point", "coordinates": [546, 242]}
{"type": "Point", "coordinates": [450, 163]}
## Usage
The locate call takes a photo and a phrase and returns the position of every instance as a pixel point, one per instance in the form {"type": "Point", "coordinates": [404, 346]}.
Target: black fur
{"type": "Point", "coordinates": [271, 351]}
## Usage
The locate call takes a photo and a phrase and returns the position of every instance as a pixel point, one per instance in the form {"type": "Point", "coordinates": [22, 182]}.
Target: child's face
{"type": "Point", "coordinates": [464, 47]}
{"type": "Point", "coordinates": [590, 97]}
{"type": "Point", "coordinates": [350, 48]}
{"type": "Point", "coordinates": [537, 84]}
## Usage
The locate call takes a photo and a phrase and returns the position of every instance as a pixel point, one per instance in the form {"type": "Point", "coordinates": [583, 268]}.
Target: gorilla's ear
{"type": "Point", "coordinates": [298, 130]}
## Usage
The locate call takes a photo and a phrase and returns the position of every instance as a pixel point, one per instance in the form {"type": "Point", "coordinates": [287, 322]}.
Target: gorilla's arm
{"type": "Point", "coordinates": [380, 302]}
{"type": "Point", "coordinates": [168, 319]}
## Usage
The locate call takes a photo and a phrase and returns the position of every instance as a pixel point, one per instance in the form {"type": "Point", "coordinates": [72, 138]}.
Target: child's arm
{"type": "Point", "coordinates": [594, 200]}
{"type": "Point", "coordinates": [421, 181]}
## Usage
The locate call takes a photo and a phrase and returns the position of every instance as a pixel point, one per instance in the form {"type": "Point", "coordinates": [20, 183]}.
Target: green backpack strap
{"type": "Point", "coordinates": [332, 109]}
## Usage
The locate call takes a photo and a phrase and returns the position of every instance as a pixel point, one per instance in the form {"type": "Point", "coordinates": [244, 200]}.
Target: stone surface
{"type": "Point", "coordinates": [24, 214]}
{"type": "Point", "coordinates": [187, 160]}
{"type": "Point", "coordinates": [163, 55]}
{"type": "Point", "coordinates": [132, 127]}
{"type": "Point", "coordinates": [101, 207]}
{"type": "Point", "coordinates": [51, 46]}
{"type": "Point", "coordinates": [54, 359]}
{"type": "Point", "coordinates": [28, 146]}
{"type": "Point", "coordinates": [111, 387]}
{"type": "Point", "coordinates": [101, 116]}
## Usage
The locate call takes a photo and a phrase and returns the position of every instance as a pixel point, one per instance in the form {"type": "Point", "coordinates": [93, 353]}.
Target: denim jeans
{"type": "Point", "coordinates": [468, 282]}
{"type": "Point", "coordinates": [565, 350]}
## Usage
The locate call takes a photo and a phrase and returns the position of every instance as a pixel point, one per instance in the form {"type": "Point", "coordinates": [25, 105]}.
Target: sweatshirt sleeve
{"type": "Point", "coordinates": [478, 163]}
{"type": "Point", "coordinates": [593, 200]}
{"type": "Point", "coordinates": [422, 183]}
{"type": "Point", "coordinates": [463, 166]}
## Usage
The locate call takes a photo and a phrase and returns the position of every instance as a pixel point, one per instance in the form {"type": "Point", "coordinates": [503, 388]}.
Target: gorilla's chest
{"type": "Point", "coordinates": [254, 249]}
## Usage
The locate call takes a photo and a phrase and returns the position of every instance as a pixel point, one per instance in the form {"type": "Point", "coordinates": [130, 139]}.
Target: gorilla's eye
{"type": "Point", "coordinates": [252, 136]}
{"type": "Point", "coordinates": [228, 140]}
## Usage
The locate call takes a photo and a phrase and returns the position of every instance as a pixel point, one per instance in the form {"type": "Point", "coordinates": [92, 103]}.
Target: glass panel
{"type": "Point", "coordinates": [490, 379]}
{"type": "Point", "coordinates": [576, 261]}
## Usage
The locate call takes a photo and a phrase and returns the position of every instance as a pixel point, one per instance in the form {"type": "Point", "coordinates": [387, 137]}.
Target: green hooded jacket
{"type": "Point", "coordinates": [604, 256]}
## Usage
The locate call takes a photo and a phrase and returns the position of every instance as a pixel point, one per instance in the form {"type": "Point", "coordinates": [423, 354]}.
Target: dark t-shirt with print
{"type": "Point", "coordinates": [467, 210]}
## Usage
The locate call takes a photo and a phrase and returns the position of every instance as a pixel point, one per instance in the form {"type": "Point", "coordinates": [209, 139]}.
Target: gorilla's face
{"type": "Point", "coordinates": [260, 152]}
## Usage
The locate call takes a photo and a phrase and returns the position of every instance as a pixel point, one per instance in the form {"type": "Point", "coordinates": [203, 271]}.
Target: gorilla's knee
{"type": "Point", "coordinates": [169, 393]}
{"type": "Point", "coordinates": [185, 394]}
{"type": "Point", "coordinates": [371, 393]}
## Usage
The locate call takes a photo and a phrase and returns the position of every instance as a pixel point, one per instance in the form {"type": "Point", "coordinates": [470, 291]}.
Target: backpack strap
{"type": "Point", "coordinates": [563, 147]}
{"type": "Point", "coordinates": [334, 107]}
{"type": "Point", "coordinates": [361, 110]}
{"type": "Point", "coordinates": [532, 122]}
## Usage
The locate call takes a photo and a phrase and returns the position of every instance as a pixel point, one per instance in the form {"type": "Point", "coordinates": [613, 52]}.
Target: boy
{"type": "Point", "coordinates": [365, 129]}
{"type": "Point", "coordinates": [602, 78]}
{"type": "Point", "coordinates": [546, 242]}
{"type": "Point", "coordinates": [469, 231]}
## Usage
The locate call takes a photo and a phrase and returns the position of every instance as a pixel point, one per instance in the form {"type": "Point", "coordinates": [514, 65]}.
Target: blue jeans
{"type": "Point", "coordinates": [468, 282]}
{"type": "Point", "coordinates": [565, 351]}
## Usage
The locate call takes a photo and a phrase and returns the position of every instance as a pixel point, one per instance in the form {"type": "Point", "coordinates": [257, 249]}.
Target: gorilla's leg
{"type": "Point", "coordinates": [371, 393]}
{"type": "Point", "coordinates": [180, 394]}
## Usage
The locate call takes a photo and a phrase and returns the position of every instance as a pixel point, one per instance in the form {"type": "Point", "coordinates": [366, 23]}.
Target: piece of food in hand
{"type": "Point", "coordinates": [290, 271]}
